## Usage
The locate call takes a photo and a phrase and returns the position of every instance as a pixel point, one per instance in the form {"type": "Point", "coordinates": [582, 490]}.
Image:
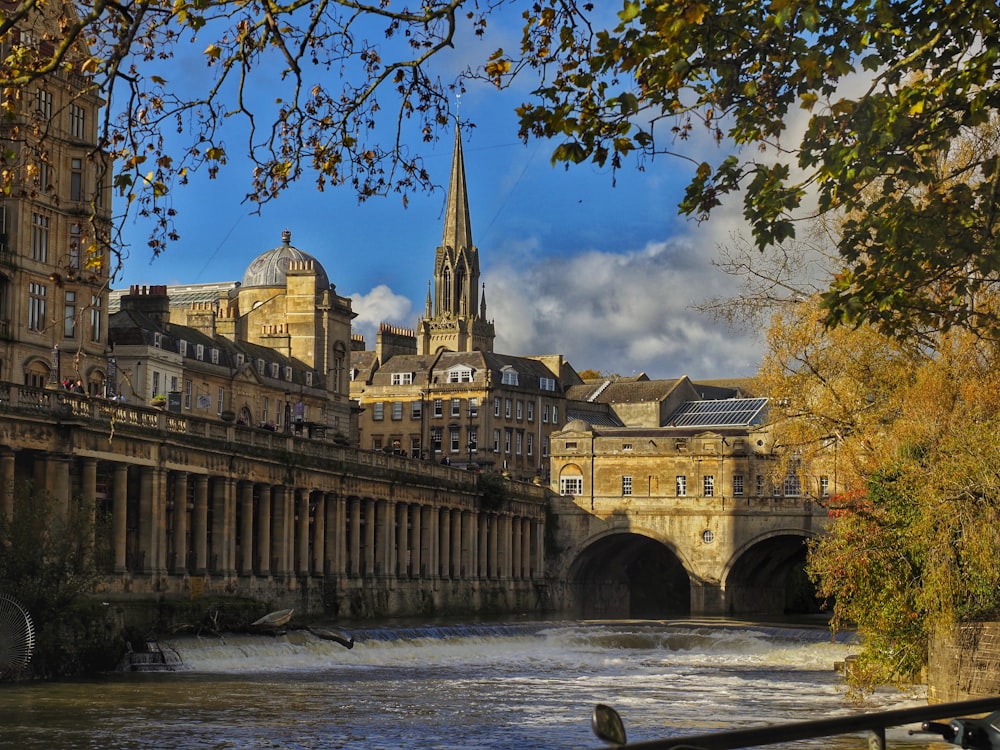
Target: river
{"type": "Point", "coordinates": [457, 687]}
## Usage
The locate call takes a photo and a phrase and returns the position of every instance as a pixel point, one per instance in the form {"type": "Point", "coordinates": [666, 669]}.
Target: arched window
{"type": "Point", "coordinates": [571, 480]}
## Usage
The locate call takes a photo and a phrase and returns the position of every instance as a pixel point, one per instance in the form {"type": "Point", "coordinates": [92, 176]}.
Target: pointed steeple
{"type": "Point", "coordinates": [457, 227]}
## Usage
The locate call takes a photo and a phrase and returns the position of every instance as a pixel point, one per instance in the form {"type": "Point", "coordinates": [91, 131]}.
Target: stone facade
{"type": "Point", "coordinates": [964, 664]}
{"type": "Point", "coordinates": [55, 258]}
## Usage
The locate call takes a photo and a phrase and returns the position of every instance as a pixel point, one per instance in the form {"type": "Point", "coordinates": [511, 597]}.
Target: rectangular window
{"type": "Point", "coordinates": [531, 445]}
{"type": "Point", "coordinates": [376, 443]}
{"type": "Point", "coordinates": [275, 369]}
{"type": "Point", "coordinates": [681, 485]}
{"type": "Point", "coordinates": [74, 246]}
{"type": "Point", "coordinates": [507, 439]}
{"type": "Point", "coordinates": [96, 317]}
{"type": "Point", "coordinates": [36, 306]}
{"type": "Point", "coordinates": [397, 410]}
{"type": "Point", "coordinates": [416, 408]}
{"type": "Point", "coordinates": [496, 441]}
{"type": "Point", "coordinates": [824, 486]}
{"type": "Point", "coordinates": [519, 410]}
{"type": "Point", "coordinates": [545, 414]}
{"type": "Point", "coordinates": [555, 414]}
{"type": "Point", "coordinates": [76, 179]}
{"type": "Point", "coordinates": [214, 356]}
{"type": "Point", "coordinates": [156, 384]}
{"type": "Point", "coordinates": [737, 485]}
{"type": "Point", "coordinates": [378, 411]}
{"type": "Point", "coordinates": [438, 407]}
{"type": "Point", "coordinates": [455, 438]}
{"type": "Point", "coordinates": [77, 121]}
{"type": "Point", "coordinates": [518, 442]}
{"type": "Point", "coordinates": [43, 103]}
{"type": "Point", "coordinates": [760, 485]}
{"type": "Point", "coordinates": [570, 485]}
{"type": "Point", "coordinates": [436, 439]}
{"type": "Point", "coordinates": [199, 352]}
{"type": "Point", "coordinates": [288, 373]}
{"type": "Point", "coordinates": [473, 440]}
{"type": "Point", "coordinates": [547, 384]}
{"type": "Point", "coordinates": [545, 447]}
{"type": "Point", "coordinates": [309, 379]}
{"type": "Point", "coordinates": [509, 377]}
{"type": "Point", "coordinates": [507, 408]}
{"type": "Point", "coordinates": [473, 408]}
{"type": "Point", "coordinates": [496, 407]}
{"type": "Point", "coordinates": [708, 485]}
{"type": "Point", "coordinates": [69, 318]}
{"type": "Point", "coordinates": [40, 238]}
{"type": "Point", "coordinates": [220, 400]}
{"type": "Point", "coordinates": [414, 447]}
{"type": "Point", "coordinates": [456, 407]}
{"type": "Point", "coordinates": [531, 411]}
{"type": "Point", "coordinates": [402, 378]}
{"type": "Point", "coordinates": [626, 485]}
{"type": "Point", "coordinates": [792, 486]}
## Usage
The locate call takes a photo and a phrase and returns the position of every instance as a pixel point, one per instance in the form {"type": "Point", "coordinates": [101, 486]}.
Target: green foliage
{"type": "Point", "coordinates": [46, 563]}
{"type": "Point", "coordinates": [494, 492]}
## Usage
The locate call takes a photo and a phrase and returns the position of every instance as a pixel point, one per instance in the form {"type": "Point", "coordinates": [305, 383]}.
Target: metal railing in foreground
{"type": "Point", "coordinates": [968, 733]}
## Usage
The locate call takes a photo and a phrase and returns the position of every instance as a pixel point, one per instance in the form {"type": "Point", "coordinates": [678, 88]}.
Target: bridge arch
{"type": "Point", "coordinates": [766, 575]}
{"type": "Point", "coordinates": [628, 574]}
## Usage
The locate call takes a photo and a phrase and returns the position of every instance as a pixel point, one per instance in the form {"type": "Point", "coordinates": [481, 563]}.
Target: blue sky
{"type": "Point", "coordinates": [599, 268]}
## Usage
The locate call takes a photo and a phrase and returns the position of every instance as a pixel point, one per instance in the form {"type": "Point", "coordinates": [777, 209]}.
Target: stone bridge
{"type": "Point", "coordinates": [634, 557]}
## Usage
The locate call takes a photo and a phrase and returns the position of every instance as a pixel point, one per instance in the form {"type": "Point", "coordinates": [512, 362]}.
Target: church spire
{"type": "Point", "coordinates": [457, 227]}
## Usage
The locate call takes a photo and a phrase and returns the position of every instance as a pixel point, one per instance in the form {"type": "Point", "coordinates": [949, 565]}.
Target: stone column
{"type": "Point", "coordinates": [428, 540]}
{"type": "Point", "coordinates": [525, 549]}
{"type": "Point", "coordinates": [302, 533]}
{"type": "Point", "coordinates": [537, 549]}
{"type": "Point", "coordinates": [493, 557]}
{"type": "Point", "coordinates": [444, 542]}
{"type": "Point", "coordinates": [52, 475]}
{"type": "Point", "coordinates": [147, 519]}
{"type": "Point", "coordinates": [223, 527]}
{"type": "Point", "coordinates": [336, 534]}
{"type": "Point", "coordinates": [515, 555]}
{"type": "Point", "coordinates": [402, 540]}
{"type": "Point", "coordinates": [6, 482]}
{"type": "Point", "coordinates": [456, 543]}
{"type": "Point", "coordinates": [416, 542]}
{"type": "Point", "coordinates": [180, 522]}
{"type": "Point", "coordinates": [319, 534]}
{"type": "Point", "coordinates": [283, 499]}
{"type": "Point", "coordinates": [119, 516]}
{"type": "Point", "coordinates": [264, 530]}
{"type": "Point", "coordinates": [354, 539]}
{"type": "Point", "coordinates": [484, 545]}
{"type": "Point", "coordinates": [370, 526]}
{"type": "Point", "coordinates": [88, 496]}
{"type": "Point", "coordinates": [199, 525]}
{"type": "Point", "coordinates": [246, 528]}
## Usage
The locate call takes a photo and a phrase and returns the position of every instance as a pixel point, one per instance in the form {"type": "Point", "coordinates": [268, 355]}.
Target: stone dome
{"type": "Point", "coordinates": [271, 268]}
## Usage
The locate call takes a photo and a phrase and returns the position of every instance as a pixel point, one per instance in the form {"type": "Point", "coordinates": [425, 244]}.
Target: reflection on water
{"type": "Point", "coordinates": [525, 685]}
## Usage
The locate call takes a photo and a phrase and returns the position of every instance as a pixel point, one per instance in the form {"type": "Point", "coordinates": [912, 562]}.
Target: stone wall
{"type": "Point", "coordinates": [965, 663]}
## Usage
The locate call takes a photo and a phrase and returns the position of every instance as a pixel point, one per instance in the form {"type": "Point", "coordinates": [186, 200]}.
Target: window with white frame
{"type": "Point", "coordinates": [496, 406]}
{"type": "Point", "coordinates": [288, 373]}
{"type": "Point", "coordinates": [275, 369]}
{"type": "Point", "coordinates": [416, 408]}
{"type": "Point", "coordinates": [792, 486]}
{"type": "Point", "coordinates": [309, 379]}
{"type": "Point", "coordinates": [378, 411]}
{"type": "Point", "coordinates": [260, 366]}
{"type": "Point", "coordinates": [547, 384]}
{"type": "Point", "coordinates": [530, 446]}
{"type": "Point", "coordinates": [626, 485]}
{"type": "Point", "coordinates": [509, 376]}
{"type": "Point", "coordinates": [77, 121]}
{"type": "Point", "coordinates": [69, 315]}
{"type": "Point", "coordinates": [507, 408]}
{"type": "Point", "coordinates": [438, 407]}
{"type": "Point", "coordinates": [737, 485]}
{"type": "Point", "coordinates": [760, 485]}
{"type": "Point", "coordinates": [456, 407]}
{"type": "Point", "coordinates": [157, 340]}
{"type": "Point", "coordinates": [518, 442]}
{"type": "Point", "coordinates": [397, 410]}
{"type": "Point", "coordinates": [188, 393]}
{"type": "Point", "coordinates": [545, 414]}
{"type": "Point", "coordinates": [555, 414]}
{"type": "Point", "coordinates": [40, 237]}
{"type": "Point", "coordinates": [531, 411]}
{"type": "Point", "coordinates": [496, 441]}
{"type": "Point", "coordinates": [460, 375]}
{"type": "Point", "coordinates": [199, 352]}
{"type": "Point", "coordinates": [824, 486]}
{"type": "Point", "coordinates": [507, 440]}
{"type": "Point", "coordinates": [519, 410]}
{"type": "Point", "coordinates": [436, 439]}
{"type": "Point", "coordinates": [571, 485]}
{"type": "Point", "coordinates": [473, 408]}
{"type": "Point", "coordinates": [96, 317]}
{"type": "Point", "coordinates": [708, 485]}
{"type": "Point", "coordinates": [220, 400]}
{"type": "Point", "coordinates": [183, 346]}
{"type": "Point", "coordinates": [214, 355]}
{"type": "Point", "coordinates": [402, 378]}
{"type": "Point", "coordinates": [455, 439]}
{"type": "Point", "coordinates": [681, 485]}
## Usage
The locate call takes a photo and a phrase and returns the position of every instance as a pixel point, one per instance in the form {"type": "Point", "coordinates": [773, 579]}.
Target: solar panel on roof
{"type": "Point", "coordinates": [720, 413]}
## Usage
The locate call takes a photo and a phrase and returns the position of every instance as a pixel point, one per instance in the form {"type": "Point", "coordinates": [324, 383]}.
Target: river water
{"type": "Point", "coordinates": [523, 685]}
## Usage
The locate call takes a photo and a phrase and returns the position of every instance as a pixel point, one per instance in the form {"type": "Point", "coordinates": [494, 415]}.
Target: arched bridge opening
{"type": "Point", "coordinates": [629, 576]}
{"type": "Point", "coordinates": [769, 578]}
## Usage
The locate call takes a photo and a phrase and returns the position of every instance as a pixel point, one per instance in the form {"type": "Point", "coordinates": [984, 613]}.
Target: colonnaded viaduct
{"type": "Point", "coordinates": [186, 507]}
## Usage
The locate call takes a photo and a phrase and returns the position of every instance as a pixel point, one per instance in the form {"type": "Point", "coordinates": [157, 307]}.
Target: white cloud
{"type": "Point", "coordinates": [379, 305]}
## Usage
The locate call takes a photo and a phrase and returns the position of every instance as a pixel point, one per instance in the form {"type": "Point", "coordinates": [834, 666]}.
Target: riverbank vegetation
{"type": "Point", "coordinates": [907, 428]}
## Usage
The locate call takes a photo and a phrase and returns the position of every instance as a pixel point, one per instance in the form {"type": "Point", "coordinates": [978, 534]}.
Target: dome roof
{"type": "Point", "coordinates": [271, 268]}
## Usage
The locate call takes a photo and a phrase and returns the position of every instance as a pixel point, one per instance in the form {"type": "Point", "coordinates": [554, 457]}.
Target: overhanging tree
{"type": "Point", "coordinates": [886, 89]}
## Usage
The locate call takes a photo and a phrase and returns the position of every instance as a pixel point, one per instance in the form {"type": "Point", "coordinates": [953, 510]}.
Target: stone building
{"type": "Point", "coordinates": [54, 228]}
{"type": "Point", "coordinates": [270, 351]}
{"type": "Point", "coordinates": [440, 392]}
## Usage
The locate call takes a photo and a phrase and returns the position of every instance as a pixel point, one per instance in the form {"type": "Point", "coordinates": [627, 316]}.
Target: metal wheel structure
{"type": "Point", "coordinates": [17, 636]}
